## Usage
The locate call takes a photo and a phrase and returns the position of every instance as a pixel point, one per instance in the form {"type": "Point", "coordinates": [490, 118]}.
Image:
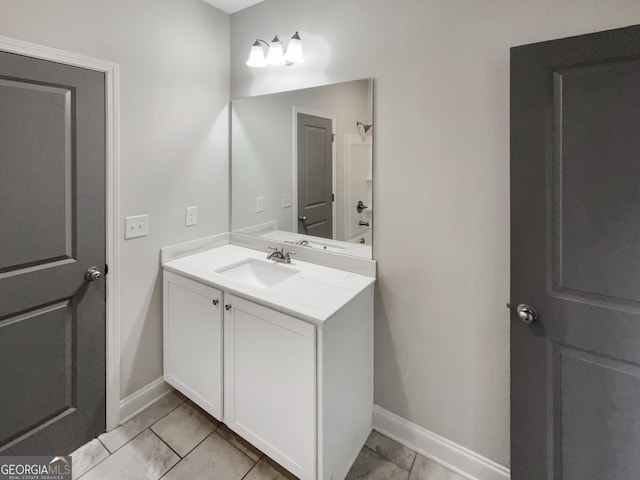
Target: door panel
{"type": "Point", "coordinates": [575, 253]}
{"type": "Point", "coordinates": [35, 179]}
{"type": "Point", "coordinates": [40, 370]}
{"type": "Point", "coordinates": [315, 175]}
{"type": "Point", "coordinates": [596, 171]}
{"type": "Point", "coordinates": [270, 383]}
{"type": "Point", "coordinates": [598, 436]}
{"type": "Point", "coordinates": [52, 210]}
{"type": "Point", "coordinates": [193, 340]}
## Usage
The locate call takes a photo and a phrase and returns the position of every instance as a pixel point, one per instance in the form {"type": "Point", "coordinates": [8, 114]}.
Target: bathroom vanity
{"type": "Point", "coordinates": [281, 353]}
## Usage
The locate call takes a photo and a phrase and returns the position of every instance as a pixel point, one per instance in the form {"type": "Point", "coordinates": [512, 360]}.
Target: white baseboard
{"type": "Point", "coordinates": [138, 401]}
{"type": "Point", "coordinates": [431, 445]}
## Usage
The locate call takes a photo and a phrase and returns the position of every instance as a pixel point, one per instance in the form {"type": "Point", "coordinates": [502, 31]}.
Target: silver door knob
{"type": "Point", "coordinates": [302, 218]}
{"type": "Point", "coordinates": [92, 274]}
{"type": "Point", "coordinates": [526, 313]}
{"type": "Point", "coordinates": [360, 207]}
{"type": "Point", "coordinates": [227, 307]}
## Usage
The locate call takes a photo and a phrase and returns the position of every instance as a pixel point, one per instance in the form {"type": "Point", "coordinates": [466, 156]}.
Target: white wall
{"type": "Point", "coordinates": [441, 188]}
{"type": "Point", "coordinates": [174, 72]}
{"type": "Point", "coordinates": [262, 149]}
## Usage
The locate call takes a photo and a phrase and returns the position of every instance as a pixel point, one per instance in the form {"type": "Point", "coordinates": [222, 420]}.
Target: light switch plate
{"type": "Point", "coordinates": [287, 200]}
{"type": "Point", "coordinates": [137, 226]}
{"type": "Point", "coordinates": [191, 216]}
{"type": "Point", "coordinates": [259, 204]}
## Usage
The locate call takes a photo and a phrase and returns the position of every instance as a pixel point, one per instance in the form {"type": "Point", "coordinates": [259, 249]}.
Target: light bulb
{"type": "Point", "coordinates": [276, 54]}
{"type": "Point", "coordinates": [294, 50]}
{"type": "Point", "coordinates": [256, 57]}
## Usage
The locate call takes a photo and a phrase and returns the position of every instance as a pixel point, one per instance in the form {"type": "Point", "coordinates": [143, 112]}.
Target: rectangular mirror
{"type": "Point", "coordinates": [301, 167]}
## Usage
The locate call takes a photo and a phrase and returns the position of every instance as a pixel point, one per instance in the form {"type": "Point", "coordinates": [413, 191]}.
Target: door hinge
{"type": "Point", "coordinates": [333, 138]}
{"type": "Point", "coordinates": [106, 269]}
{"type": "Point", "coordinates": [333, 197]}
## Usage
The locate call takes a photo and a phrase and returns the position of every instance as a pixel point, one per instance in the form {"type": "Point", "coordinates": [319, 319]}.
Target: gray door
{"type": "Point", "coordinates": [575, 258]}
{"type": "Point", "coordinates": [315, 176]}
{"type": "Point", "coordinates": [52, 230]}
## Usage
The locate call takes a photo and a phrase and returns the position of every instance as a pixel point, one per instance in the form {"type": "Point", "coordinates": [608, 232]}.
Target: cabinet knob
{"type": "Point", "coordinates": [215, 302]}
{"type": "Point", "coordinates": [227, 307]}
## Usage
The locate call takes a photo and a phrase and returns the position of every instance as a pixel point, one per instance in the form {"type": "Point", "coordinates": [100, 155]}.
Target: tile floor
{"type": "Point", "coordinates": [175, 440]}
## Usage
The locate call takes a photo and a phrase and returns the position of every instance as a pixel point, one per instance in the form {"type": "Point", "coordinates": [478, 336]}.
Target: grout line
{"type": "Point", "coordinates": [254, 461]}
{"type": "Point", "coordinates": [202, 441]}
{"type": "Point", "coordinates": [390, 460]}
{"type": "Point", "coordinates": [166, 414]}
{"type": "Point", "coordinates": [169, 446]}
{"type": "Point", "coordinates": [252, 467]}
{"type": "Point", "coordinates": [94, 466]}
{"type": "Point", "coordinates": [385, 458]}
{"type": "Point", "coordinates": [167, 472]}
{"type": "Point", "coordinates": [219, 426]}
{"type": "Point", "coordinates": [197, 444]}
{"type": "Point", "coordinates": [111, 454]}
{"type": "Point", "coordinates": [131, 440]}
{"type": "Point", "coordinates": [413, 464]}
{"type": "Point", "coordinates": [105, 447]}
{"type": "Point", "coordinates": [181, 458]}
{"type": "Point", "coordinates": [147, 427]}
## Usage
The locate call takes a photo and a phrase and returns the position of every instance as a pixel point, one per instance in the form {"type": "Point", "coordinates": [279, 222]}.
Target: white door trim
{"type": "Point", "coordinates": [333, 118]}
{"type": "Point", "coordinates": [110, 70]}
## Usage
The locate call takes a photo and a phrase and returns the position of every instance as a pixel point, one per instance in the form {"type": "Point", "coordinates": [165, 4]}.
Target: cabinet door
{"type": "Point", "coordinates": [193, 341]}
{"type": "Point", "coordinates": [270, 383]}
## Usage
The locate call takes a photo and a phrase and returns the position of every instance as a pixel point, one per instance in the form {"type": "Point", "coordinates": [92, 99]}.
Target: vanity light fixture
{"type": "Point", "coordinates": [276, 54]}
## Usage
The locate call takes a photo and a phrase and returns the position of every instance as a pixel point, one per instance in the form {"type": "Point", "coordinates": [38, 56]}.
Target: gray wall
{"type": "Point", "coordinates": [262, 148]}
{"type": "Point", "coordinates": [174, 72]}
{"type": "Point", "coordinates": [441, 190]}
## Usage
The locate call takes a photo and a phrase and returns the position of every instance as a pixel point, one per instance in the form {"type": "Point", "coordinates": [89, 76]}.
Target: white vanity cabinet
{"type": "Point", "coordinates": [192, 339]}
{"type": "Point", "coordinates": [270, 382]}
{"type": "Point", "coordinates": [289, 368]}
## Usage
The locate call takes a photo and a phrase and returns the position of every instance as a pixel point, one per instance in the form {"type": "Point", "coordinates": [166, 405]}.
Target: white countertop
{"type": "Point", "coordinates": [314, 294]}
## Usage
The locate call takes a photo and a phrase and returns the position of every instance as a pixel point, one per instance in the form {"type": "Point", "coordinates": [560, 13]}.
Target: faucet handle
{"type": "Point", "coordinates": [276, 249]}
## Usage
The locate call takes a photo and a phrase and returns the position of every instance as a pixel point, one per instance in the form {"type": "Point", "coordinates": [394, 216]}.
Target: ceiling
{"type": "Point", "coordinates": [231, 6]}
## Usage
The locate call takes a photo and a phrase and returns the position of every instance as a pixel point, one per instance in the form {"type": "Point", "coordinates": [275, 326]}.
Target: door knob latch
{"type": "Point", "coordinates": [526, 313]}
{"type": "Point", "coordinates": [92, 274]}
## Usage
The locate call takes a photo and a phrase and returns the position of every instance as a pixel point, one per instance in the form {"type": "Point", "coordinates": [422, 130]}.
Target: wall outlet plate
{"type": "Point", "coordinates": [287, 200]}
{"type": "Point", "coordinates": [259, 204]}
{"type": "Point", "coordinates": [136, 226]}
{"type": "Point", "coordinates": [190, 216]}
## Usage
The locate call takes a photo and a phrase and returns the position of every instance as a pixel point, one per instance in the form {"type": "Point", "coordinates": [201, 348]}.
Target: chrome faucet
{"type": "Point", "coordinates": [279, 255]}
{"type": "Point", "coordinates": [302, 242]}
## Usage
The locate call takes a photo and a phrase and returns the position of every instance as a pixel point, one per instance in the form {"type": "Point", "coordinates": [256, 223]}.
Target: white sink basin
{"type": "Point", "coordinates": [257, 273]}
